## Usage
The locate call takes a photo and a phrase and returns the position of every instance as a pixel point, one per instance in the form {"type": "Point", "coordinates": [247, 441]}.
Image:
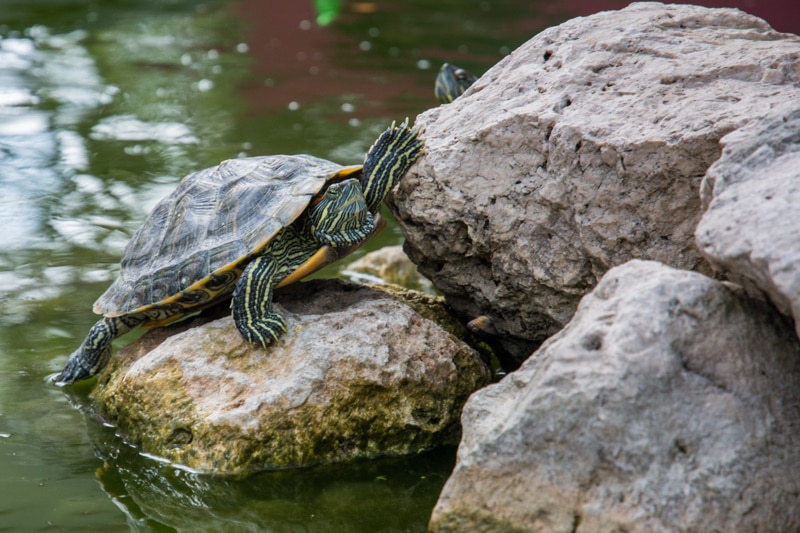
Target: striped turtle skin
{"type": "Point", "coordinates": [237, 231]}
{"type": "Point", "coordinates": [451, 82]}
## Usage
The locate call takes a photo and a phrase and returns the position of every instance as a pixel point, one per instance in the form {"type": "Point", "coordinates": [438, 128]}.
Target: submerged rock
{"type": "Point", "coordinates": [581, 150]}
{"type": "Point", "coordinates": [670, 402]}
{"type": "Point", "coordinates": [388, 265]}
{"type": "Point", "coordinates": [751, 228]}
{"type": "Point", "coordinates": [360, 374]}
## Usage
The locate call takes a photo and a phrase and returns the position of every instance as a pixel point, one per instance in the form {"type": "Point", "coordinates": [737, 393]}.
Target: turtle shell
{"type": "Point", "coordinates": [195, 242]}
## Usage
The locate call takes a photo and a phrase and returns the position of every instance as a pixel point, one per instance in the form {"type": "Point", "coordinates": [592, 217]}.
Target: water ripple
{"type": "Point", "coordinates": [130, 128]}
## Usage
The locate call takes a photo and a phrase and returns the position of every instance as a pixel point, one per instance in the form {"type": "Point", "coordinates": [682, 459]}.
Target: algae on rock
{"type": "Point", "coordinates": [360, 374]}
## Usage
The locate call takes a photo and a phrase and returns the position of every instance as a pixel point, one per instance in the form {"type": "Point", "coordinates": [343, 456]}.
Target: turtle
{"type": "Point", "coordinates": [238, 230]}
{"type": "Point", "coordinates": [451, 82]}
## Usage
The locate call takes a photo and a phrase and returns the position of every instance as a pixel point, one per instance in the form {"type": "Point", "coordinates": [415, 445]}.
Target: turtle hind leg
{"type": "Point", "coordinates": [252, 303]}
{"type": "Point", "coordinates": [95, 350]}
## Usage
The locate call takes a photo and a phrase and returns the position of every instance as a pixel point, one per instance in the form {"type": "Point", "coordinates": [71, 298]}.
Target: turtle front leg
{"type": "Point", "coordinates": [341, 217]}
{"type": "Point", "coordinates": [95, 351]}
{"type": "Point", "coordinates": [252, 303]}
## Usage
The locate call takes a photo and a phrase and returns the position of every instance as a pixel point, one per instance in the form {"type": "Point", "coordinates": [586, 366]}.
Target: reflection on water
{"type": "Point", "coordinates": [386, 494]}
{"type": "Point", "coordinates": [49, 83]}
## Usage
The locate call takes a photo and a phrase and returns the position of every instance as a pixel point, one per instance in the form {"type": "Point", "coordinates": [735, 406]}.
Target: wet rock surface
{"type": "Point", "coordinates": [670, 402]}
{"type": "Point", "coordinates": [583, 149]}
{"type": "Point", "coordinates": [360, 374]}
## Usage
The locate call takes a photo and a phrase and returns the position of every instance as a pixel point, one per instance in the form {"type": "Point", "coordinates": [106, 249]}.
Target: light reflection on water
{"type": "Point", "coordinates": [51, 85]}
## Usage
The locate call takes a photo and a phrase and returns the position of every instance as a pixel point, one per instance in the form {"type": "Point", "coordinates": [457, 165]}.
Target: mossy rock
{"type": "Point", "coordinates": [361, 373]}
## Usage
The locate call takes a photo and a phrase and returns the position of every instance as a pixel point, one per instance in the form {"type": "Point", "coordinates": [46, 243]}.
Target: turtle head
{"type": "Point", "coordinates": [451, 82]}
{"type": "Point", "coordinates": [387, 161]}
{"type": "Point", "coordinates": [340, 200]}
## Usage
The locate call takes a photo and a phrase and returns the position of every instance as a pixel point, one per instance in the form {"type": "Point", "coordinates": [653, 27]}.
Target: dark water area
{"type": "Point", "coordinates": [104, 106]}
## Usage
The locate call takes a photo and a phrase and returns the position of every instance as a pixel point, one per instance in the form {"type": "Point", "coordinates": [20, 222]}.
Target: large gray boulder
{"type": "Point", "coordinates": [361, 373]}
{"type": "Point", "coordinates": [581, 150]}
{"type": "Point", "coordinates": [670, 402]}
{"type": "Point", "coordinates": [751, 227]}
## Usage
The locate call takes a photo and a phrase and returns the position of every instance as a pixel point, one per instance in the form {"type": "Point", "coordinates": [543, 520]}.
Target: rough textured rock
{"type": "Point", "coordinates": [360, 374]}
{"type": "Point", "coordinates": [581, 150]}
{"type": "Point", "coordinates": [751, 228]}
{"type": "Point", "coordinates": [388, 265]}
{"type": "Point", "coordinates": [670, 402]}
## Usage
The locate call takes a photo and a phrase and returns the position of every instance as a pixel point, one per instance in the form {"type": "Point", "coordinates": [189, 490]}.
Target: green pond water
{"type": "Point", "coordinates": [104, 106]}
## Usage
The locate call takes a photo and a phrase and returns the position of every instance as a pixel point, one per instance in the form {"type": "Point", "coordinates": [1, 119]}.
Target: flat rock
{"type": "Point", "coordinates": [751, 227]}
{"type": "Point", "coordinates": [670, 402]}
{"type": "Point", "coordinates": [581, 150]}
{"type": "Point", "coordinates": [361, 373]}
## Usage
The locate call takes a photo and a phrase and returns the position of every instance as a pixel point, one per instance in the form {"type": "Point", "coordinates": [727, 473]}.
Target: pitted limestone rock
{"type": "Point", "coordinates": [581, 150]}
{"type": "Point", "coordinates": [751, 227]}
{"type": "Point", "coordinates": [668, 403]}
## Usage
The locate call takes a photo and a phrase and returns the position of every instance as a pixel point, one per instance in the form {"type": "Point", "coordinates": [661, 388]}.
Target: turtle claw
{"type": "Point", "coordinates": [264, 331]}
{"type": "Point", "coordinates": [95, 351]}
{"type": "Point", "coordinates": [80, 365]}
